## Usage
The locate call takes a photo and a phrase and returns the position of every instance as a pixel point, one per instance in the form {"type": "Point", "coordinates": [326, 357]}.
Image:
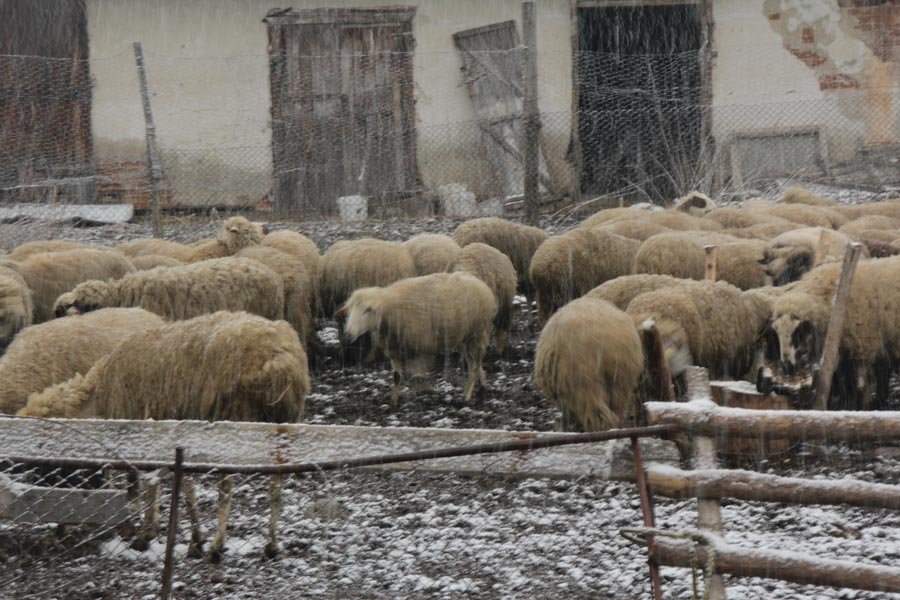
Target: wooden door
{"type": "Point", "coordinates": [492, 69]}
{"type": "Point", "coordinates": [342, 106]}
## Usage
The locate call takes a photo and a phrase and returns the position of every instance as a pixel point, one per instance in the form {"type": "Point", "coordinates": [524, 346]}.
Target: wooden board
{"type": "Point", "coordinates": [262, 443]}
{"type": "Point", "coordinates": [60, 213]}
{"type": "Point", "coordinates": [33, 504]}
{"type": "Point", "coordinates": [740, 394]}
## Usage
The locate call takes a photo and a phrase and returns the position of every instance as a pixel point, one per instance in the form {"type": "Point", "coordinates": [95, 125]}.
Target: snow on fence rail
{"type": "Point", "coordinates": [708, 423]}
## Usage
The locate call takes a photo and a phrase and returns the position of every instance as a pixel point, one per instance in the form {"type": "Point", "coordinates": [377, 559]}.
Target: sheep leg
{"type": "Point", "coordinates": [195, 549]}
{"type": "Point", "coordinates": [226, 487]}
{"type": "Point", "coordinates": [150, 525]}
{"type": "Point", "coordinates": [501, 336]}
{"type": "Point", "coordinates": [395, 390]}
{"type": "Point", "coordinates": [275, 503]}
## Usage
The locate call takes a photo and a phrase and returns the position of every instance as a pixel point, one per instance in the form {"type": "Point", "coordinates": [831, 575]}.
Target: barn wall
{"type": "Point", "coordinates": [208, 71]}
{"type": "Point", "coordinates": [831, 64]}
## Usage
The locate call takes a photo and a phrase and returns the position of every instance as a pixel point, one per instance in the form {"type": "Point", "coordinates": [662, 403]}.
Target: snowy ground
{"type": "Point", "coordinates": [429, 536]}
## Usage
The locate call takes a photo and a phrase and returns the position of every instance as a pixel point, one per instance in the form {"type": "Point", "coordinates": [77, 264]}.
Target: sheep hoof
{"type": "Point", "coordinates": [140, 544]}
{"type": "Point", "coordinates": [195, 550]}
{"type": "Point", "coordinates": [270, 551]}
{"type": "Point", "coordinates": [216, 555]}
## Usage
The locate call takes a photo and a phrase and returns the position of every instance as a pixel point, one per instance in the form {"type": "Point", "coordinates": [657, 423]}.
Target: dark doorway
{"type": "Point", "coordinates": [639, 90]}
{"type": "Point", "coordinates": [343, 114]}
{"type": "Point", "coordinates": [45, 102]}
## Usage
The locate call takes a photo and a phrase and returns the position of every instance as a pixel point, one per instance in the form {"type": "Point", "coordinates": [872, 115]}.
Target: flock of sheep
{"type": "Point", "coordinates": [224, 329]}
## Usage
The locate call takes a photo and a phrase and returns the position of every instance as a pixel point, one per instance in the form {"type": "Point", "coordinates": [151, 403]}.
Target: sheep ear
{"type": "Point", "coordinates": [341, 312]}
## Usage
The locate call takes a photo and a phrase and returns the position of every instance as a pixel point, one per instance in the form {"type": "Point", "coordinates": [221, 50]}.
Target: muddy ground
{"type": "Point", "coordinates": [352, 535]}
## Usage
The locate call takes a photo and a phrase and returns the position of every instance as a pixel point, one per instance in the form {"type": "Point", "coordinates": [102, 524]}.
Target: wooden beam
{"type": "Point", "coordinates": [712, 262]}
{"type": "Point", "coordinates": [704, 418]}
{"type": "Point", "coordinates": [829, 360]}
{"type": "Point", "coordinates": [709, 512]}
{"type": "Point", "coordinates": [153, 163]}
{"type": "Point", "coordinates": [775, 564]}
{"type": "Point", "coordinates": [267, 444]}
{"type": "Point", "coordinates": [748, 485]}
{"type": "Point", "coordinates": [530, 117]}
{"type": "Point", "coordinates": [68, 506]}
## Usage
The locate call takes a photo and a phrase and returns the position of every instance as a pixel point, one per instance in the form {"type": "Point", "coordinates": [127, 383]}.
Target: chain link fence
{"type": "Point", "coordinates": [371, 135]}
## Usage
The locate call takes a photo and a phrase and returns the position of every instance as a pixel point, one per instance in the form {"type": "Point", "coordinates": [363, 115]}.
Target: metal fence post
{"type": "Point", "coordinates": [153, 167]}
{"type": "Point", "coordinates": [530, 148]}
{"type": "Point", "coordinates": [173, 525]}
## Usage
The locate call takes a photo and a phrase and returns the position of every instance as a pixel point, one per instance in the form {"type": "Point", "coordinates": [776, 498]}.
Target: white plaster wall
{"type": "Point", "coordinates": [208, 72]}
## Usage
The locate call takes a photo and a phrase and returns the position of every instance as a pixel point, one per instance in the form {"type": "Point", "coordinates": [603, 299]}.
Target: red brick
{"type": "Point", "coordinates": [837, 82]}
{"type": "Point", "coordinates": [774, 16]}
{"type": "Point", "coordinates": [809, 36]}
{"type": "Point", "coordinates": [810, 58]}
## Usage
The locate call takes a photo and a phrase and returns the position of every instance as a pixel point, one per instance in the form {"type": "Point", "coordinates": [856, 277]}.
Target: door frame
{"type": "Point", "coordinates": [707, 56]}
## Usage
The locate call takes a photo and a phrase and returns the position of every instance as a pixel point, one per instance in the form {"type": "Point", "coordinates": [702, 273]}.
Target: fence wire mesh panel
{"type": "Point", "coordinates": [359, 127]}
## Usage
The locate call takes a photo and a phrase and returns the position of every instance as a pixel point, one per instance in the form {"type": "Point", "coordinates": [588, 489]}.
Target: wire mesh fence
{"type": "Point", "coordinates": [366, 134]}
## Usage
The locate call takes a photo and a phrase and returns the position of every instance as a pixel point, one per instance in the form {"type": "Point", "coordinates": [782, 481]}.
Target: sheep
{"type": "Point", "coordinates": [145, 262]}
{"type": "Point", "coordinates": [432, 252]}
{"type": "Point", "coordinates": [55, 351]}
{"type": "Point", "coordinates": [803, 214]}
{"type": "Point", "coordinates": [871, 333]}
{"type": "Point", "coordinates": [733, 217]}
{"type": "Point", "coordinates": [696, 204]}
{"type": "Point", "coordinates": [23, 251]}
{"type": "Point", "coordinates": [570, 265]}
{"type": "Point", "coordinates": [353, 264]}
{"type": "Point", "coordinates": [612, 215]}
{"type": "Point", "coordinates": [234, 234]}
{"type": "Point", "coordinates": [791, 254]}
{"type": "Point", "coordinates": [179, 293]}
{"type": "Point", "coordinates": [862, 228]}
{"type": "Point", "coordinates": [496, 270]}
{"type": "Point", "coordinates": [890, 208]}
{"type": "Point", "coordinates": [622, 290]}
{"type": "Point", "coordinates": [16, 308]}
{"type": "Point", "coordinates": [303, 248]}
{"type": "Point", "coordinates": [680, 221]}
{"type": "Point", "coordinates": [50, 274]}
{"type": "Point", "coordinates": [418, 318]}
{"type": "Point", "coordinates": [635, 229]}
{"type": "Point", "coordinates": [518, 242]}
{"type": "Point", "coordinates": [588, 362]}
{"type": "Point", "coordinates": [682, 255]}
{"type": "Point", "coordinates": [761, 231]}
{"type": "Point", "coordinates": [156, 247]}
{"type": "Point", "coordinates": [795, 195]}
{"type": "Point", "coordinates": [720, 324]}
{"type": "Point", "coordinates": [297, 289]}
{"type": "Point", "coordinates": [226, 366]}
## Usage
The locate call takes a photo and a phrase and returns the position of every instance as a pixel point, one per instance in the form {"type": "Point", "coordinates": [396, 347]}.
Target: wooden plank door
{"type": "Point", "coordinates": [342, 106]}
{"type": "Point", "coordinates": [492, 69]}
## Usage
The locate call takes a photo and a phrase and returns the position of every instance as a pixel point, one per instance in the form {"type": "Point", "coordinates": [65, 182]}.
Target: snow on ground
{"type": "Point", "coordinates": [416, 535]}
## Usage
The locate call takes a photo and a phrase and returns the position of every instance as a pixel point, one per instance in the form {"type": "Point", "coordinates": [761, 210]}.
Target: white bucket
{"type": "Point", "coordinates": [457, 201]}
{"type": "Point", "coordinates": [353, 208]}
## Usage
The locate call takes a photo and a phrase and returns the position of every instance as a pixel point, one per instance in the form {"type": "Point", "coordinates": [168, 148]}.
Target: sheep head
{"type": "Point", "coordinates": [86, 297]}
{"type": "Point", "coordinates": [695, 203]}
{"type": "Point", "coordinates": [785, 264]}
{"type": "Point", "coordinates": [798, 325]}
{"type": "Point", "coordinates": [363, 312]}
{"type": "Point", "coordinates": [675, 342]}
{"type": "Point", "coordinates": [237, 233]}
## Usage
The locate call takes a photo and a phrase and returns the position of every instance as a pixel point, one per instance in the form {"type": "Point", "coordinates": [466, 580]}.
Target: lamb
{"type": "Point", "coordinates": [622, 290]}
{"type": "Point", "coordinates": [57, 350]}
{"type": "Point", "coordinates": [53, 273]}
{"type": "Point", "coordinates": [570, 265]}
{"type": "Point", "coordinates": [297, 288]}
{"type": "Point", "coordinates": [432, 252]}
{"type": "Point", "coordinates": [15, 306]}
{"type": "Point", "coordinates": [421, 317]}
{"type": "Point", "coordinates": [682, 255]}
{"type": "Point", "coordinates": [871, 332]}
{"type": "Point", "coordinates": [496, 270]}
{"type": "Point", "coordinates": [792, 254]}
{"type": "Point", "coordinates": [720, 324]}
{"type": "Point", "coordinates": [23, 251]}
{"type": "Point", "coordinates": [588, 362]}
{"type": "Point", "coordinates": [179, 293]}
{"type": "Point", "coordinates": [353, 264]}
{"type": "Point", "coordinates": [221, 367]}
{"type": "Point", "coordinates": [145, 262]}
{"type": "Point", "coordinates": [518, 242]}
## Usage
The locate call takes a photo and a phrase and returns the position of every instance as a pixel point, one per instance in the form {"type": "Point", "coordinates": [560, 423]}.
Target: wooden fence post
{"type": "Point", "coordinates": [705, 458]}
{"type": "Point", "coordinates": [530, 148]}
{"type": "Point", "coordinates": [712, 262]}
{"type": "Point", "coordinates": [168, 565]}
{"type": "Point", "coordinates": [153, 167]}
{"type": "Point", "coordinates": [835, 327]}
